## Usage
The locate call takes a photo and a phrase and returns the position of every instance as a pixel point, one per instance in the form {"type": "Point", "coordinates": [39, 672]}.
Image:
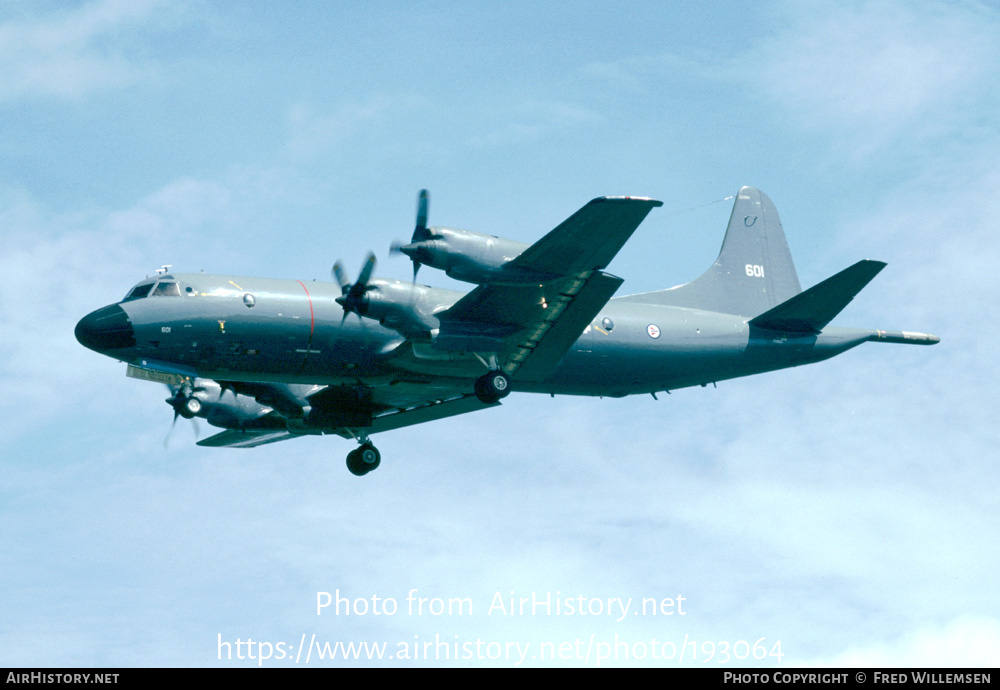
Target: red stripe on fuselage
{"type": "Point", "coordinates": [312, 315]}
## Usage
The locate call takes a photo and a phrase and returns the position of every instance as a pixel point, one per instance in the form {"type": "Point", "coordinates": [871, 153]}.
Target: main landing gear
{"type": "Point", "coordinates": [364, 459]}
{"type": "Point", "coordinates": [491, 387]}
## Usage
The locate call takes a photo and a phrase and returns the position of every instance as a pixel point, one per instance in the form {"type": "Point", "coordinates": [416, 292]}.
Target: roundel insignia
{"type": "Point", "coordinates": [653, 330]}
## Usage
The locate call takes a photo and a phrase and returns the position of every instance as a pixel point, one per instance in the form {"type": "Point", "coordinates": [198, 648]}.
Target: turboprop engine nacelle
{"type": "Point", "coordinates": [405, 308]}
{"type": "Point", "coordinates": [465, 255]}
{"type": "Point", "coordinates": [220, 406]}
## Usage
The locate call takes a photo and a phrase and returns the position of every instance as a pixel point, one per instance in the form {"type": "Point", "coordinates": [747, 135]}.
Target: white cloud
{"type": "Point", "coordinates": [71, 53]}
{"type": "Point", "coordinates": [318, 132]}
{"type": "Point", "coordinates": [861, 74]}
{"type": "Point", "coordinates": [177, 209]}
{"type": "Point", "coordinates": [878, 69]}
{"type": "Point", "coordinates": [533, 120]}
{"type": "Point", "coordinates": [969, 641]}
{"type": "Point", "coordinates": [57, 267]}
{"type": "Point", "coordinates": [634, 73]}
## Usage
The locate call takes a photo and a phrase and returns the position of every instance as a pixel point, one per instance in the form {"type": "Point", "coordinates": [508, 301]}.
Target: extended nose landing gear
{"type": "Point", "coordinates": [363, 460]}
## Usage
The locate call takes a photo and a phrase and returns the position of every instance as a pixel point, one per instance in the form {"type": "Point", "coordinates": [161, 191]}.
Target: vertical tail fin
{"type": "Point", "coordinates": [754, 271]}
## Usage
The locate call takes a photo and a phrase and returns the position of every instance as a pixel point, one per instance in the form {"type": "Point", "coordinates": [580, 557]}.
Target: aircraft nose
{"type": "Point", "coordinates": [108, 328]}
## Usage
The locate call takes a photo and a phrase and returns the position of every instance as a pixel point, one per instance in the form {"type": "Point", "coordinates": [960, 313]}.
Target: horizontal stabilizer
{"type": "Point", "coordinates": [810, 311]}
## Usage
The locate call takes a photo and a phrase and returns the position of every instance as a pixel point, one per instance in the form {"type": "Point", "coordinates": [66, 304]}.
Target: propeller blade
{"type": "Point", "coordinates": [420, 231]}
{"type": "Point", "coordinates": [352, 298]}
{"type": "Point", "coordinates": [366, 271]}
{"type": "Point", "coordinates": [166, 441]}
{"type": "Point", "coordinates": [398, 247]}
{"type": "Point", "coordinates": [340, 275]}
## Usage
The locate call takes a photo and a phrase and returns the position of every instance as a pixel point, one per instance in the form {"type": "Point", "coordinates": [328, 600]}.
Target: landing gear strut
{"type": "Point", "coordinates": [363, 460]}
{"type": "Point", "coordinates": [493, 386]}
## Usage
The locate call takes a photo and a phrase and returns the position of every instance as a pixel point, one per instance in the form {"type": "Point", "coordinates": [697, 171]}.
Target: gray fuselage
{"type": "Point", "coordinates": [236, 328]}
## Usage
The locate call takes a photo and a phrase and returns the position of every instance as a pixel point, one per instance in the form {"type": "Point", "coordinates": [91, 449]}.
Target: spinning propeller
{"type": "Point", "coordinates": [416, 249]}
{"type": "Point", "coordinates": [352, 298]}
{"type": "Point", "coordinates": [185, 405]}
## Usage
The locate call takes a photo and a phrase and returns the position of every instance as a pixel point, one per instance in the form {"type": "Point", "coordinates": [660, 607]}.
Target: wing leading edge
{"type": "Point", "coordinates": [589, 239]}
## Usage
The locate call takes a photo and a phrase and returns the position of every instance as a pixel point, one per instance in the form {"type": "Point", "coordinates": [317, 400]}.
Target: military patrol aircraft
{"type": "Point", "coordinates": [268, 360]}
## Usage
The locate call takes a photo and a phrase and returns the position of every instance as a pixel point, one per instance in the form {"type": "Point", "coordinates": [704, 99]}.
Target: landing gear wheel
{"type": "Point", "coordinates": [492, 387]}
{"type": "Point", "coordinates": [370, 456]}
{"type": "Point", "coordinates": [355, 465]}
{"type": "Point", "coordinates": [363, 460]}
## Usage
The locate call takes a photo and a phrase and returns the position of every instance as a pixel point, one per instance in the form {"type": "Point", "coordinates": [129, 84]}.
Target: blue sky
{"type": "Point", "coordinates": [847, 509]}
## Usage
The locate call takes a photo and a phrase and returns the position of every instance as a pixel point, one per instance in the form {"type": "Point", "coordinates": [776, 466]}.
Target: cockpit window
{"type": "Point", "coordinates": [165, 289]}
{"type": "Point", "coordinates": [138, 292]}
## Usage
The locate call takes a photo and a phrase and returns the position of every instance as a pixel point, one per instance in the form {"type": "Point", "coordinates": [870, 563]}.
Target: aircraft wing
{"type": "Point", "coordinates": [233, 438]}
{"type": "Point", "coordinates": [532, 326]}
{"type": "Point", "coordinates": [387, 406]}
{"type": "Point", "coordinates": [588, 240]}
{"type": "Point", "coordinates": [386, 420]}
{"type": "Point", "coordinates": [399, 417]}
